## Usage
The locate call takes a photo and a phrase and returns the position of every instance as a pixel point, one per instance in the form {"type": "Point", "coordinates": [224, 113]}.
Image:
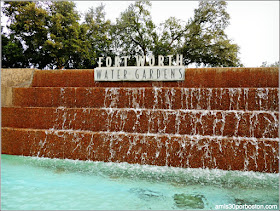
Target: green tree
{"type": "Point", "coordinates": [27, 29]}
{"type": "Point", "coordinates": [98, 35]}
{"type": "Point", "coordinates": [12, 52]}
{"type": "Point", "coordinates": [135, 31]}
{"type": "Point", "coordinates": [64, 44]}
{"type": "Point", "coordinates": [168, 40]}
{"type": "Point", "coordinates": [205, 41]}
{"type": "Point", "coordinates": [49, 35]}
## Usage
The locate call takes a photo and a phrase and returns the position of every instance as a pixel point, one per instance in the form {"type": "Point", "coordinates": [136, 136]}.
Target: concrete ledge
{"type": "Point", "coordinates": [10, 78]}
{"type": "Point", "coordinates": [178, 151]}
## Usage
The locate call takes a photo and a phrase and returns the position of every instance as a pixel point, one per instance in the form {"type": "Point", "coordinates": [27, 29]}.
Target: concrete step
{"type": "Point", "coordinates": [245, 154]}
{"type": "Point", "coordinates": [259, 124]}
{"type": "Point", "coordinates": [266, 99]}
{"type": "Point", "coordinates": [195, 77]}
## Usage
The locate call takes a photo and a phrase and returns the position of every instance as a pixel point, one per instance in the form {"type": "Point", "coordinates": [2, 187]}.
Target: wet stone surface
{"type": "Point", "coordinates": [188, 201]}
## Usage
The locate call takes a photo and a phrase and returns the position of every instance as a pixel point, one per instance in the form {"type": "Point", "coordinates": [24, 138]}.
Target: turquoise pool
{"type": "Point", "coordinates": [30, 183]}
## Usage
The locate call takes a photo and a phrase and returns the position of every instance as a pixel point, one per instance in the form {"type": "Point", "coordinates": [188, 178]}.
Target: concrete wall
{"type": "Point", "coordinates": [10, 78]}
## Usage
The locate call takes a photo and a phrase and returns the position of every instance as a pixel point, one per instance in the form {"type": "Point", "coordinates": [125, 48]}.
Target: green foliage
{"type": "Point", "coordinates": [64, 31]}
{"type": "Point", "coordinates": [98, 35]}
{"type": "Point", "coordinates": [12, 52]}
{"type": "Point", "coordinates": [29, 26]}
{"type": "Point", "coordinates": [50, 35]}
{"type": "Point", "coordinates": [135, 30]}
{"type": "Point", "coordinates": [169, 39]}
{"type": "Point", "coordinates": [205, 40]}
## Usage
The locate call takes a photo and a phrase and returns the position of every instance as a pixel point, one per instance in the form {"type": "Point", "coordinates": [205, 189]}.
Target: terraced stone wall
{"type": "Point", "coordinates": [224, 118]}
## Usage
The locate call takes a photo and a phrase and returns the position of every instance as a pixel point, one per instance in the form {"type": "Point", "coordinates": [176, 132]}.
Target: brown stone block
{"type": "Point", "coordinates": [195, 98]}
{"type": "Point", "coordinates": [34, 143]}
{"type": "Point", "coordinates": [267, 125]}
{"type": "Point", "coordinates": [76, 78]}
{"type": "Point", "coordinates": [187, 122]}
{"type": "Point", "coordinates": [98, 120]}
{"type": "Point", "coordinates": [98, 98]}
{"type": "Point", "coordinates": [11, 141]}
{"type": "Point", "coordinates": [224, 123]}
{"type": "Point", "coordinates": [158, 97]}
{"type": "Point", "coordinates": [218, 124]}
{"type": "Point", "coordinates": [80, 98]}
{"type": "Point", "coordinates": [101, 149]}
{"type": "Point", "coordinates": [199, 99]}
{"type": "Point", "coordinates": [129, 122]}
{"type": "Point", "coordinates": [153, 121]}
{"type": "Point", "coordinates": [236, 154]}
{"type": "Point", "coordinates": [261, 162]}
{"type": "Point", "coordinates": [171, 98]}
{"type": "Point", "coordinates": [157, 150]}
{"type": "Point", "coordinates": [119, 146]}
{"type": "Point", "coordinates": [6, 116]}
{"type": "Point", "coordinates": [149, 99]}
{"type": "Point", "coordinates": [207, 121]}
{"type": "Point", "coordinates": [196, 152]}
{"type": "Point", "coordinates": [178, 151]}
{"type": "Point", "coordinates": [130, 144]}
{"type": "Point", "coordinates": [168, 122]}
{"type": "Point", "coordinates": [62, 78]}
{"type": "Point", "coordinates": [234, 98]}
{"type": "Point", "coordinates": [117, 120]}
{"type": "Point", "coordinates": [231, 120]}
{"type": "Point", "coordinates": [216, 100]}
{"type": "Point", "coordinates": [152, 98]}
{"type": "Point", "coordinates": [124, 98]}
{"type": "Point", "coordinates": [271, 156]}
{"type": "Point", "coordinates": [273, 102]}
{"type": "Point", "coordinates": [185, 98]}
{"type": "Point", "coordinates": [56, 96]}
{"type": "Point", "coordinates": [206, 96]}
{"type": "Point", "coordinates": [243, 125]}
{"type": "Point", "coordinates": [27, 140]}
{"type": "Point", "coordinates": [43, 98]}
{"type": "Point", "coordinates": [241, 99]}
{"type": "Point", "coordinates": [139, 121]}
{"type": "Point", "coordinates": [220, 154]}
{"type": "Point", "coordinates": [195, 77]}
{"type": "Point", "coordinates": [197, 127]}
{"type": "Point", "coordinates": [75, 145]}
{"type": "Point", "coordinates": [133, 154]}
{"type": "Point", "coordinates": [148, 150]}
{"type": "Point", "coordinates": [66, 97]}
{"type": "Point", "coordinates": [251, 101]}
{"type": "Point", "coordinates": [175, 152]}
{"type": "Point", "coordinates": [224, 99]}
{"type": "Point", "coordinates": [24, 97]}
{"type": "Point", "coordinates": [250, 155]}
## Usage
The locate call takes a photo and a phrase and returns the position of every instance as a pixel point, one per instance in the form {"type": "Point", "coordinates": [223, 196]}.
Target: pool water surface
{"type": "Point", "coordinates": [31, 183]}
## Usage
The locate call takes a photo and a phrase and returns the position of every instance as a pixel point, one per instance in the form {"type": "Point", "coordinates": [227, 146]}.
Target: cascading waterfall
{"type": "Point", "coordinates": [226, 128]}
